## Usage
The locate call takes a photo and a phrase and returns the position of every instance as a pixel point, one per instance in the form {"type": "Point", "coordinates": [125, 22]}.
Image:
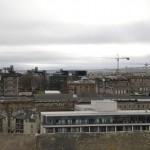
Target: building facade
{"type": "Point", "coordinates": [59, 80]}
{"type": "Point", "coordinates": [123, 85]}
{"type": "Point", "coordinates": [95, 119]}
{"type": "Point", "coordinates": [9, 84]}
{"type": "Point", "coordinates": [21, 114]}
{"type": "Point", "coordinates": [84, 85]}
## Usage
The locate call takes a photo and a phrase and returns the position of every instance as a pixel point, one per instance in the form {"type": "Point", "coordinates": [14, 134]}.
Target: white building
{"type": "Point", "coordinates": [100, 116]}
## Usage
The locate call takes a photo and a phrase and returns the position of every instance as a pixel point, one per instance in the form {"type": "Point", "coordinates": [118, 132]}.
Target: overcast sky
{"type": "Point", "coordinates": [77, 34]}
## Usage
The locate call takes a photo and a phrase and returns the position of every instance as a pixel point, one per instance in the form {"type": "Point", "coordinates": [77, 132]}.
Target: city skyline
{"type": "Point", "coordinates": [74, 34]}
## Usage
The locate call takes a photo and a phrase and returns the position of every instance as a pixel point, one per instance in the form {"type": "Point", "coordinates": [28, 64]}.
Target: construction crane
{"type": "Point", "coordinates": [118, 58]}
{"type": "Point", "coordinates": [146, 65]}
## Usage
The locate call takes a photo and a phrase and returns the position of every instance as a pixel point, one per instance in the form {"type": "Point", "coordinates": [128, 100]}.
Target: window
{"type": "Point", "coordinates": [136, 128]}
{"type": "Point", "coordinates": [84, 129]}
{"type": "Point", "coordinates": [93, 129]}
{"type": "Point", "coordinates": [76, 129]}
{"type": "Point", "coordinates": [110, 128]}
{"type": "Point", "coordinates": [58, 129]}
{"type": "Point", "coordinates": [73, 121]}
{"type": "Point", "coordinates": [67, 129]}
{"type": "Point", "coordinates": [119, 128]}
{"type": "Point", "coordinates": [102, 129]}
{"type": "Point", "coordinates": [49, 130]}
{"type": "Point", "coordinates": [19, 121]}
{"type": "Point", "coordinates": [91, 121]}
{"type": "Point", "coordinates": [1, 125]}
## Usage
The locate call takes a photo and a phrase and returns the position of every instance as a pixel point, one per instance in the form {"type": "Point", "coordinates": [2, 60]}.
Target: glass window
{"type": "Point", "coordinates": [67, 129]}
{"type": "Point", "coordinates": [136, 128]}
{"type": "Point", "coordinates": [58, 129]}
{"type": "Point", "coordinates": [133, 119]}
{"type": "Point", "coordinates": [49, 130]}
{"type": "Point", "coordinates": [84, 129]}
{"type": "Point", "coordinates": [102, 129]}
{"type": "Point", "coordinates": [119, 128]}
{"type": "Point", "coordinates": [73, 121]}
{"type": "Point", "coordinates": [128, 128]}
{"type": "Point", "coordinates": [141, 119]}
{"type": "Point", "coordinates": [76, 129]}
{"type": "Point", "coordinates": [110, 128]}
{"type": "Point", "coordinates": [145, 127]}
{"type": "Point", "coordinates": [91, 121]}
{"type": "Point", "coordinates": [93, 129]}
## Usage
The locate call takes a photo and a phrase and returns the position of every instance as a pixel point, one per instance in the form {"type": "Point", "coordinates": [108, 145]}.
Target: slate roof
{"type": "Point", "coordinates": [117, 77]}
{"type": "Point", "coordinates": [50, 97]}
{"type": "Point", "coordinates": [26, 115]}
{"type": "Point", "coordinates": [7, 99]}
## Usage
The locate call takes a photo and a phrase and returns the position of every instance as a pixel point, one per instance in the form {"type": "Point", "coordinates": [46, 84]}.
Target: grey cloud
{"type": "Point", "coordinates": [131, 33]}
{"type": "Point", "coordinates": [25, 23]}
{"type": "Point", "coordinates": [25, 57]}
{"type": "Point", "coordinates": [32, 56]}
{"type": "Point", "coordinates": [25, 33]}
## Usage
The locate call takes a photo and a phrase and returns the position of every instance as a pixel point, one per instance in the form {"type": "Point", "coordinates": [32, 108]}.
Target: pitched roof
{"type": "Point", "coordinates": [26, 115]}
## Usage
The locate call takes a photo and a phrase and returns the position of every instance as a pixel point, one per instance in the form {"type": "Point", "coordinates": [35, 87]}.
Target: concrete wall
{"type": "Point", "coordinates": [71, 141]}
{"type": "Point", "coordinates": [105, 105]}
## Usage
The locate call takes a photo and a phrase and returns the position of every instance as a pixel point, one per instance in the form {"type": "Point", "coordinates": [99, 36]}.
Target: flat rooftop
{"type": "Point", "coordinates": [92, 113]}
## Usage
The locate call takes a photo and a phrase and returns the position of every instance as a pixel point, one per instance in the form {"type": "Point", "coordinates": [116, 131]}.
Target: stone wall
{"type": "Point", "coordinates": [17, 142]}
{"type": "Point", "coordinates": [95, 141]}
{"type": "Point", "coordinates": [72, 141]}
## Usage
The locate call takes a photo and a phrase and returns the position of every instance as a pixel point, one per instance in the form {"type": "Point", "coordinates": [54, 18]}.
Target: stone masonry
{"type": "Point", "coordinates": [78, 141]}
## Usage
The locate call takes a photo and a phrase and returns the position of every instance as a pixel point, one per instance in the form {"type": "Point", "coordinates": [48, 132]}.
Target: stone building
{"type": "Point", "coordinates": [84, 85]}
{"type": "Point", "coordinates": [9, 81]}
{"type": "Point", "coordinates": [133, 104]}
{"type": "Point", "coordinates": [140, 84]}
{"type": "Point", "coordinates": [113, 85]}
{"type": "Point", "coordinates": [10, 84]}
{"type": "Point", "coordinates": [26, 122]}
{"type": "Point", "coordinates": [55, 102]}
{"type": "Point", "coordinates": [10, 107]}
{"type": "Point", "coordinates": [21, 114]}
{"type": "Point", "coordinates": [123, 85]}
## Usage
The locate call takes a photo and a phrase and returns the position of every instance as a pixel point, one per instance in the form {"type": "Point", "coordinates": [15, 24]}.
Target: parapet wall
{"type": "Point", "coordinates": [78, 141]}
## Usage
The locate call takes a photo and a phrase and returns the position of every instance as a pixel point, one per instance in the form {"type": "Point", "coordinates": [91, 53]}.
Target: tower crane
{"type": "Point", "coordinates": [146, 65]}
{"type": "Point", "coordinates": [118, 58]}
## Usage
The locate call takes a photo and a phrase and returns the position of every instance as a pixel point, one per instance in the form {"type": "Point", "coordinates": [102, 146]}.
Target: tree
{"type": "Point", "coordinates": [30, 82]}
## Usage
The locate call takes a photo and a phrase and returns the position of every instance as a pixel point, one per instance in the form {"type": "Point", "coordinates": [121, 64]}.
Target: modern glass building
{"type": "Point", "coordinates": [95, 120]}
{"type": "Point", "coordinates": [52, 122]}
